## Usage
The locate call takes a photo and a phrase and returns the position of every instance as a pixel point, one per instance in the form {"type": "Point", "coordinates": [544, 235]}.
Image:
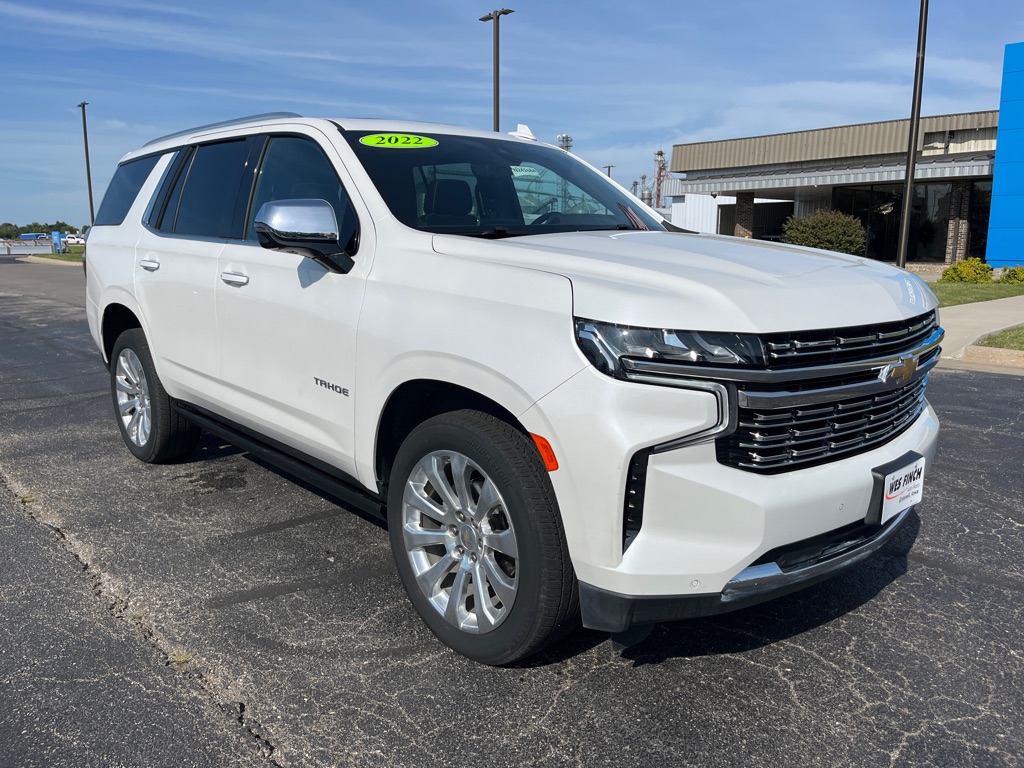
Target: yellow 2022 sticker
{"type": "Point", "coordinates": [398, 141]}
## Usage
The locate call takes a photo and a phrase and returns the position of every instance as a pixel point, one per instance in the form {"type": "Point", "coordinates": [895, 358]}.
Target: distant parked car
{"type": "Point", "coordinates": [74, 240]}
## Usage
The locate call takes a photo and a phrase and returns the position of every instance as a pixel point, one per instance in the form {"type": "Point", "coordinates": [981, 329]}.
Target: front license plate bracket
{"type": "Point", "coordinates": [882, 509]}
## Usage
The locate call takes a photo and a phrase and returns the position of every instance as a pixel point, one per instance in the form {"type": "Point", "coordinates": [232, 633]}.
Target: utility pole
{"type": "Point", "coordinates": [88, 169]}
{"type": "Point", "coordinates": [660, 174]}
{"type": "Point", "coordinates": [495, 16]}
{"type": "Point", "coordinates": [565, 142]}
{"type": "Point", "coordinates": [915, 122]}
{"type": "Point", "coordinates": [608, 168]}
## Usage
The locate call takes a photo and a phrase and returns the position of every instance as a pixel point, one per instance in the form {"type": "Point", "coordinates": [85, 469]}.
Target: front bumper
{"type": "Point", "coordinates": [821, 558]}
{"type": "Point", "coordinates": [710, 533]}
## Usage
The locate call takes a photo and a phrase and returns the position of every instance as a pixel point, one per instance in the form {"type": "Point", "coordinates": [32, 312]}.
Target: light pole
{"type": "Point", "coordinates": [88, 170]}
{"type": "Point", "coordinates": [915, 120]}
{"type": "Point", "coordinates": [495, 16]}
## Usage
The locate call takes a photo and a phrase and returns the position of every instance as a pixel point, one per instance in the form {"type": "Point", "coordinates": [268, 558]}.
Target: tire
{"type": "Point", "coordinates": [446, 543]}
{"type": "Point", "coordinates": [151, 429]}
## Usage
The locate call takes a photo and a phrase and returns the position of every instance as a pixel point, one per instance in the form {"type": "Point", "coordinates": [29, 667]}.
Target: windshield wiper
{"type": "Point", "coordinates": [494, 233]}
{"type": "Point", "coordinates": [633, 217]}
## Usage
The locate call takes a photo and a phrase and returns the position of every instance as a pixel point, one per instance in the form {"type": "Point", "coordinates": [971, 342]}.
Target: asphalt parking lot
{"type": "Point", "coordinates": [216, 613]}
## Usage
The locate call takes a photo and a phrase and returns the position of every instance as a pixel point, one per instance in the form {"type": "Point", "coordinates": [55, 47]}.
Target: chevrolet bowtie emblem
{"type": "Point", "coordinates": [903, 371]}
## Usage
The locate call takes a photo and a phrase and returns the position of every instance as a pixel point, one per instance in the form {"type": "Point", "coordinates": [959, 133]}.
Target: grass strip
{"type": "Point", "coordinates": [951, 294]}
{"type": "Point", "coordinates": [1011, 338]}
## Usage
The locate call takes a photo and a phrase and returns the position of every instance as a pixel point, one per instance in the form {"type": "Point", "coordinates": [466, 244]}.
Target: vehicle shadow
{"type": "Point", "coordinates": [212, 447]}
{"type": "Point", "coordinates": [742, 630]}
{"type": "Point", "coordinates": [758, 625]}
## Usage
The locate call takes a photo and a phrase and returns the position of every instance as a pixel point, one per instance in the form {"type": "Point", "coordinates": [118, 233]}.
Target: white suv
{"type": "Point", "coordinates": [564, 407]}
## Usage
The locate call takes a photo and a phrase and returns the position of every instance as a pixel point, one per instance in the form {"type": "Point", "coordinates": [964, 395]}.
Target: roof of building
{"type": "Point", "coordinates": [823, 144]}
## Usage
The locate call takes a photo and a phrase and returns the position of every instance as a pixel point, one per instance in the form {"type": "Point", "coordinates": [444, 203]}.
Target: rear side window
{"type": "Point", "coordinates": [123, 189]}
{"type": "Point", "coordinates": [207, 205]}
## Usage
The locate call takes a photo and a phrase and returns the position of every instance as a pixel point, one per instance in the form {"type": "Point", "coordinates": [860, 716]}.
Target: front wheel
{"type": "Point", "coordinates": [478, 540]}
{"type": "Point", "coordinates": [151, 429]}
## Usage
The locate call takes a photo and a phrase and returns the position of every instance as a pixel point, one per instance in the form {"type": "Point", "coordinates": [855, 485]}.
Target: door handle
{"type": "Point", "coordinates": [149, 265]}
{"type": "Point", "coordinates": [233, 278]}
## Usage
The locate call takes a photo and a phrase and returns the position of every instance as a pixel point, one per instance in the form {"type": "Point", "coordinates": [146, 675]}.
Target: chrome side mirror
{"type": "Point", "coordinates": [306, 226]}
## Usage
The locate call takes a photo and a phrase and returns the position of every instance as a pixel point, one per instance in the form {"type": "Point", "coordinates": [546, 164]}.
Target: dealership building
{"type": "Point", "coordinates": [968, 197]}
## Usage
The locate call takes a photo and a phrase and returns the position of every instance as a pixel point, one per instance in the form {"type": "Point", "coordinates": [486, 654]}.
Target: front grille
{"type": "Point", "coordinates": [783, 439]}
{"type": "Point", "coordinates": [819, 396]}
{"type": "Point", "coordinates": [830, 394]}
{"type": "Point", "coordinates": [808, 348]}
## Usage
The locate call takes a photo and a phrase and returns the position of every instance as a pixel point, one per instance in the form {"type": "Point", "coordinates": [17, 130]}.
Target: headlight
{"type": "Point", "coordinates": [605, 345]}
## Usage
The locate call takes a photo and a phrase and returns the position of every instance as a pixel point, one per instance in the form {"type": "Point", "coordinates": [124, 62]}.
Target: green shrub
{"type": "Point", "coordinates": [1012, 275]}
{"type": "Point", "coordinates": [831, 230]}
{"type": "Point", "coordinates": [972, 270]}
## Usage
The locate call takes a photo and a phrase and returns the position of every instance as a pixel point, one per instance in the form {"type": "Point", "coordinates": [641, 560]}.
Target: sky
{"type": "Point", "coordinates": [624, 79]}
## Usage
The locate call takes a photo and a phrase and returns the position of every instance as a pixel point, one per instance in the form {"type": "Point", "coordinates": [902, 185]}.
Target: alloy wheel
{"type": "Point", "coordinates": [133, 403]}
{"type": "Point", "coordinates": [460, 541]}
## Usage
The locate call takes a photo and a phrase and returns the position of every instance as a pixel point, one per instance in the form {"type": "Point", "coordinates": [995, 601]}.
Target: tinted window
{"type": "Point", "coordinates": [295, 168]}
{"type": "Point", "coordinates": [208, 198]}
{"type": "Point", "coordinates": [166, 208]}
{"type": "Point", "coordinates": [492, 187]}
{"type": "Point", "coordinates": [124, 187]}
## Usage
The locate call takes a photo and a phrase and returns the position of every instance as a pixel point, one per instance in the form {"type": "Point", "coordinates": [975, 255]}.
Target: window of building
{"type": "Point", "coordinates": [930, 222]}
{"type": "Point", "coordinates": [981, 204]}
{"type": "Point", "coordinates": [880, 209]}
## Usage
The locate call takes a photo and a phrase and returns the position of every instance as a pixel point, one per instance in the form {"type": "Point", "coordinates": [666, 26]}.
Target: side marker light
{"type": "Point", "coordinates": [547, 453]}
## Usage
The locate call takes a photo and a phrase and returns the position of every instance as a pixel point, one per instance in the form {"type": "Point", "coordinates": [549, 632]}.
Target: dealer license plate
{"type": "Point", "coordinates": [902, 489]}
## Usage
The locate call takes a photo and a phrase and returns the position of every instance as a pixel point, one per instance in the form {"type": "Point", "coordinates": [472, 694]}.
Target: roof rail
{"type": "Point", "coordinates": [223, 124]}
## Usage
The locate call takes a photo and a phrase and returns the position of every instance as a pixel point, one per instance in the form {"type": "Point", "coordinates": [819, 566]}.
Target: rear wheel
{"type": "Point", "coordinates": [151, 429]}
{"type": "Point", "coordinates": [477, 538]}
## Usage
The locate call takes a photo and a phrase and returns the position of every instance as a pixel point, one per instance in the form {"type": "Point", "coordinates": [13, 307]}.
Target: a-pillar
{"type": "Point", "coordinates": [744, 215]}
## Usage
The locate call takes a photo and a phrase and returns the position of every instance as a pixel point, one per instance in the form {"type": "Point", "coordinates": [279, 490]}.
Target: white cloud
{"type": "Point", "coordinates": [623, 79]}
{"type": "Point", "coordinates": [960, 71]}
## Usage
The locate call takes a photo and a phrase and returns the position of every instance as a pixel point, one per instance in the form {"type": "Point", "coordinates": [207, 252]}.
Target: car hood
{"type": "Point", "coordinates": [708, 282]}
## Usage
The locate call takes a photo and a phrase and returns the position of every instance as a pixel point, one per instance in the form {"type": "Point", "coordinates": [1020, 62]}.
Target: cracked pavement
{"type": "Point", "coordinates": [214, 612]}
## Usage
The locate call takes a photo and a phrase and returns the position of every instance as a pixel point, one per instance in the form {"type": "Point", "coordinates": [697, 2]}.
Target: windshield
{"type": "Point", "coordinates": [491, 187]}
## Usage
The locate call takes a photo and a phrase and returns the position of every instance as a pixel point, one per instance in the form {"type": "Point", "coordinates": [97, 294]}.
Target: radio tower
{"type": "Point", "coordinates": [660, 174]}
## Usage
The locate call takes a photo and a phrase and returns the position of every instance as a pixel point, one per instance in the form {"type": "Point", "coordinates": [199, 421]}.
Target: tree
{"type": "Point", "coordinates": [10, 231]}
{"type": "Point", "coordinates": [57, 226]}
{"type": "Point", "coordinates": [830, 230]}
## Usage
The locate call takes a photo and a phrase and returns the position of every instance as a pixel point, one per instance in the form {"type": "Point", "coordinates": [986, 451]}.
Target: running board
{"type": "Point", "coordinates": [345, 490]}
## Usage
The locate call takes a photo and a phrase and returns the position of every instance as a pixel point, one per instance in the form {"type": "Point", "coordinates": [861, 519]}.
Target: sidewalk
{"type": "Point", "coordinates": [965, 324]}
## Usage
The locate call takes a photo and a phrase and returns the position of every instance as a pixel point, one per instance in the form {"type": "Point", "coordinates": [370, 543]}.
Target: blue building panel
{"type": "Point", "coordinates": [1013, 59]}
{"type": "Point", "coordinates": [1010, 147]}
{"type": "Point", "coordinates": [1013, 82]}
{"type": "Point", "coordinates": [1006, 220]}
{"type": "Point", "coordinates": [1011, 115]}
{"type": "Point", "coordinates": [1009, 177]}
{"type": "Point", "coordinates": [1006, 241]}
{"type": "Point", "coordinates": [1008, 210]}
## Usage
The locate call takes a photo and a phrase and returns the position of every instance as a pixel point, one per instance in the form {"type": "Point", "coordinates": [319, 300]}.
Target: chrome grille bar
{"type": "Point", "coordinates": [823, 395]}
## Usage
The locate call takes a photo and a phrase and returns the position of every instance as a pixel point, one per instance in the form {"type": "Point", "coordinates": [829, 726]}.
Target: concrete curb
{"type": "Point", "coordinates": [1008, 358]}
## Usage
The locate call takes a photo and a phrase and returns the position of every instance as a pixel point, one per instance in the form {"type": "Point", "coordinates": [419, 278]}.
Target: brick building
{"type": "Point", "coordinates": [857, 169]}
